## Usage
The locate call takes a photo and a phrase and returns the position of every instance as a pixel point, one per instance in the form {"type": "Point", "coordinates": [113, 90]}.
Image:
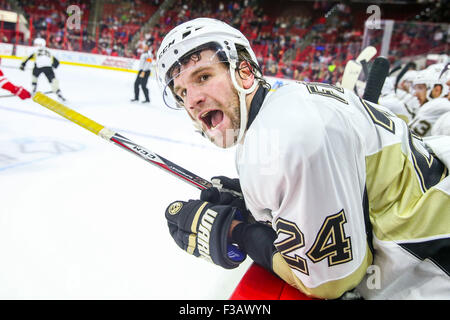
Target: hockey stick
{"type": "Point", "coordinates": [367, 54]}
{"type": "Point", "coordinates": [121, 141]}
{"type": "Point", "coordinates": [375, 82]}
{"type": "Point", "coordinates": [395, 69]}
{"type": "Point", "coordinates": [354, 67]}
{"type": "Point", "coordinates": [351, 74]}
{"type": "Point", "coordinates": [399, 77]}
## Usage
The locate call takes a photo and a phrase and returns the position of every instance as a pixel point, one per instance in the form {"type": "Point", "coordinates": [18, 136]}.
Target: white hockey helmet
{"type": "Point", "coordinates": [39, 42]}
{"type": "Point", "coordinates": [430, 78]}
{"type": "Point", "coordinates": [407, 80]}
{"type": "Point", "coordinates": [410, 75]}
{"type": "Point", "coordinates": [187, 37]}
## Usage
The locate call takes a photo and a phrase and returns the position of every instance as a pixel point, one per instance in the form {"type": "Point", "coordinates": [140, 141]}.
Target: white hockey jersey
{"type": "Point", "coordinates": [355, 198]}
{"type": "Point", "coordinates": [427, 115]}
{"type": "Point", "coordinates": [442, 125]}
{"type": "Point", "coordinates": [400, 103]}
{"type": "Point", "coordinates": [42, 58]}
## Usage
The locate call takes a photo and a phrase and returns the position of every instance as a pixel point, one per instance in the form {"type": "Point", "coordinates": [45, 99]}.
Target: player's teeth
{"type": "Point", "coordinates": [205, 114]}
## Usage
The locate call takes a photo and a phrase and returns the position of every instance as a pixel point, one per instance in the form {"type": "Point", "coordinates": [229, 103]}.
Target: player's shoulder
{"type": "Point", "coordinates": [442, 125]}
{"type": "Point", "coordinates": [292, 94]}
{"type": "Point", "coordinates": [287, 103]}
{"type": "Point", "coordinates": [292, 117]}
{"type": "Point", "coordinates": [436, 105]}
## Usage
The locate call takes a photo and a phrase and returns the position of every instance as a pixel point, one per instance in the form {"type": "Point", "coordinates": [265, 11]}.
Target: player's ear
{"type": "Point", "coordinates": [246, 74]}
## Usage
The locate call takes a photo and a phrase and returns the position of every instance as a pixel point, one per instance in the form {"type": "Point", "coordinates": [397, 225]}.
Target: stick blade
{"type": "Point", "coordinates": [351, 74]}
{"type": "Point", "coordinates": [367, 54]}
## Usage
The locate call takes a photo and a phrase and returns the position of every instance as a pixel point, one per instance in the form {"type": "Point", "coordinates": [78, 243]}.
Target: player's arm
{"type": "Point", "coordinates": [257, 240]}
{"type": "Point", "coordinates": [55, 62]}
{"type": "Point", "coordinates": [19, 91]}
{"type": "Point", "coordinates": [24, 62]}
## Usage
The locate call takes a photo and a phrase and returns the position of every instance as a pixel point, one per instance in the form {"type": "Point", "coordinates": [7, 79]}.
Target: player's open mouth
{"type": "Point", "coordinates": [211, 118]}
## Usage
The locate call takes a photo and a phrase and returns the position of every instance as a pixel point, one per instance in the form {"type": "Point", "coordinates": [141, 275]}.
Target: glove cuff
{"type": "Point", "coordinates": [219, 236]}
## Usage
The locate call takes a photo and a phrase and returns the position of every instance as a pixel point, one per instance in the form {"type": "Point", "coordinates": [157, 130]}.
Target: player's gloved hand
{"type": "Point", "coordinates": [224, 191]}
{"type": "Point", "coordinates": [22, 67]}
{"type": "Point", "coordinates": [227, 191]}
{"type": "Point", "coordinates": [201, 228]}
{"type": "Point", "coordinates": [22, 93]}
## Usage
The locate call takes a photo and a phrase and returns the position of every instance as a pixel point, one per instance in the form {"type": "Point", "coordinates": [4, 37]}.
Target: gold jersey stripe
{"type": "Point", "coordinates": [328, 290]}
{"type": "Point", "coordinates": [398, 208]}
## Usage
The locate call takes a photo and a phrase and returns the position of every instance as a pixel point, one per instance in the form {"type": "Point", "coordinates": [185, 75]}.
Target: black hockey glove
{"type": "Point", "coordinates": [227, 191]}
{"type": "Point", "coordinates": [55, 63]}
{"type": "Point", "coordinates": [201, 228]}
{"type": "Point", "coordinates": [254, 238]}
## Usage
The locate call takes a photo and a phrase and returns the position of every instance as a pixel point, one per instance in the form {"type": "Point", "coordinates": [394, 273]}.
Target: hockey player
{"type": "Point", "coordinates": [19, 91]}
{"type": "Point", "coordinates": [400, 101]}
{"type": "Point", "coordinates": [341, 192]}
{"type": "Point", "coordinates": [145, 65]}
{"type": "Point", "coordinates": [442, 125]}
{"type": "Point", "coordinates": [432, 94]}
{"type": "Point", "coordinates": [44, 63]}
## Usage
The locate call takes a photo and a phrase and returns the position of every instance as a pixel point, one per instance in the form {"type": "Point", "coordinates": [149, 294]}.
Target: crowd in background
{"type": "Point", "coordinates": [313, 44]}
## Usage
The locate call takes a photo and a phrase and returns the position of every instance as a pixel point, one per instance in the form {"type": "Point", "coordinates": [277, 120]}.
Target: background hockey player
{"type": "Point", "coordinates": [19, 91]}
{"type": "Point", "coordinates": [442, 125]}
{"type": "Point", "coordinates": [431, 89]}
{"type": "Point", "coordinates": [400, 101]}
{"type": "Point", "coordinates": [342, 184]}
{"type": "Point", "coordinates": [145, 65]}
{"type": "Point", "coordinates": [44, 63]}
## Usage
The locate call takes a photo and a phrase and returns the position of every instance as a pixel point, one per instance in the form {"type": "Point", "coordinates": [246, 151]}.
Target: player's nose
{"type": "Point", "coordinates": [195, 98]}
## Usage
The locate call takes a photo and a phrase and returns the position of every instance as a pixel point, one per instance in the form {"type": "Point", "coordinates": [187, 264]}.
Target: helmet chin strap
{"type": "Point", "coordinates": [242, 93]}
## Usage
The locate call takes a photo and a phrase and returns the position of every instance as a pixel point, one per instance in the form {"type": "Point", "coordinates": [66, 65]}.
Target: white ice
{"type": "Point", "coordinates": [81, 218]}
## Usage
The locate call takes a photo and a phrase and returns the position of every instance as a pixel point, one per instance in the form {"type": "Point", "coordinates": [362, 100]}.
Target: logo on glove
{"type": "Point", "coordinates": [175, 208]}
{"type": "Point", "coordinates": [204, 232]}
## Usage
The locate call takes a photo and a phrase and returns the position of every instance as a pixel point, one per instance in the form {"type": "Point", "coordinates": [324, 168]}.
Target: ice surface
{"type": "Point", "coordinates": [80, 218]}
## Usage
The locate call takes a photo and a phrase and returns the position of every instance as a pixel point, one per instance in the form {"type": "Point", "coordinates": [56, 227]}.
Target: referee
{"type": "Point", "coordinates": [145, 64]}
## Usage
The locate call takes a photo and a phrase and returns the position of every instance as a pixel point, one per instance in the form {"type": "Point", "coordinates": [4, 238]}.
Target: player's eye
{"type": "Point", "coordinates": [203, 77]}
{"type": "Point", "coordinates": [179, 96]}
{"type": "Point", "coordinates": [179, 100]}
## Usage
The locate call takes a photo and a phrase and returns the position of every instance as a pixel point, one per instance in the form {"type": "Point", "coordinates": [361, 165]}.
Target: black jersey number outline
{"type": "Point", "coordinates": [326, 90]}
{"type": "Point", "coordinates": [294, 241]}
{"type": "Point", "coordinates": [420, 127]}
{"type": "Point", "coordinates": [330, 242]}
{"type": "Point", "coordinates": [43, 52]}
